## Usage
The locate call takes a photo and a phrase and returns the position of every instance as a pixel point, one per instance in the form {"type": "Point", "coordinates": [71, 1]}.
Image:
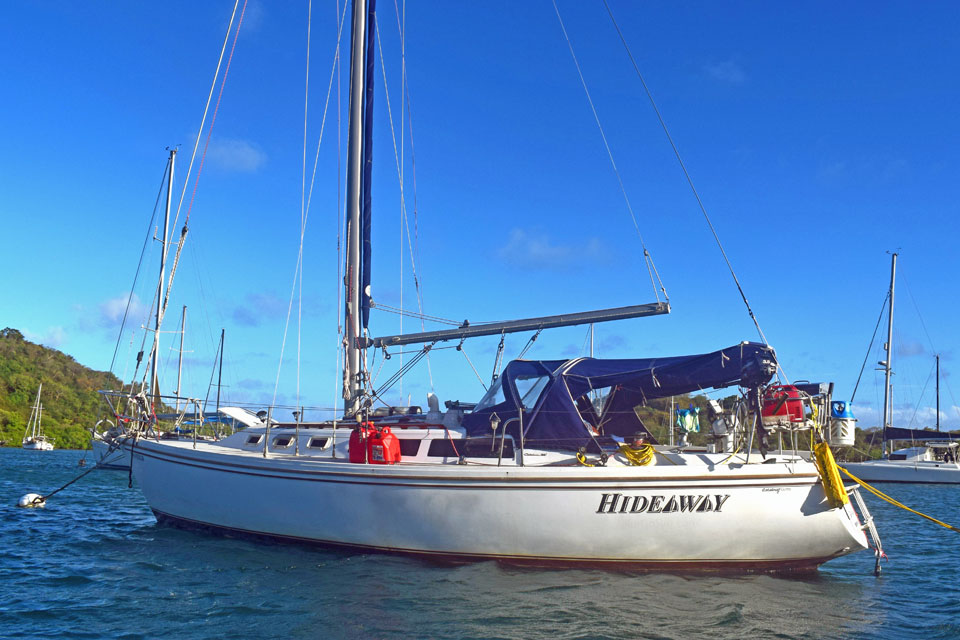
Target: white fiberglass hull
{"type": "Point", "coordinates": [38, 445]}
{"type": "Point", "coordinates": [107, 459]}
{"type": "Point", "coordinates": [702, 517]}
{"type": "Point", "coordinates": [923, 471]}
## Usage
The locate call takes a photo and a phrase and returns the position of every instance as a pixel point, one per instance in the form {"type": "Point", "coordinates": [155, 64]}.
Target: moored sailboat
{"type": "Point", "coordinates": [34, 438]}
{"type": "Point", "coordinates": [531, 474]}
{"type": "Point", "coordinates": [932, 456]}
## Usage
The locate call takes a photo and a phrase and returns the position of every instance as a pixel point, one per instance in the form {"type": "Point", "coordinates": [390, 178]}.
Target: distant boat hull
{"type": "Point", "coordinates": [665, 517]}
{"type": "Point", "coordinates": [37, 445]}
{"type": "Point", "coordinates": [922, 471]}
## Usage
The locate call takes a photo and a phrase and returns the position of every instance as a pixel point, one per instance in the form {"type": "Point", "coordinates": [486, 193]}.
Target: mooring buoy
{"type": "Point", "coordinates": [32, 500]}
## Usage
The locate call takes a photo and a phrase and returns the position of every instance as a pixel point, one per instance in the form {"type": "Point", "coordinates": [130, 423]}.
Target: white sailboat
{"type": "Point", "coordinates": [33, 438]}
{"type": "Point", "coordinates": [931, 457]}
{"type": "Point", "coordinates": [531, 474]}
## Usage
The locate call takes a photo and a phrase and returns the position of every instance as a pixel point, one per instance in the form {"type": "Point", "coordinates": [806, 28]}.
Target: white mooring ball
{"type": "Point", "coordinates": [32, 500]}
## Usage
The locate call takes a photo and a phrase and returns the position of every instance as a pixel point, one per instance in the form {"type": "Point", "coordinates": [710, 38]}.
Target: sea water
{"type": "Point", "coordinates": [94, 564]}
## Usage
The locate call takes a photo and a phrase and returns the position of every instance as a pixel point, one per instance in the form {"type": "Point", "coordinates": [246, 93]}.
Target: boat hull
{"type": "Point", "coordinates": [107, 459]}
{"type": "Point", "coordinates": [920, 472]}
{"type": "Point", "coordinates": [38, 445]}
{"type": "Point", "coordinates": [656, 518]}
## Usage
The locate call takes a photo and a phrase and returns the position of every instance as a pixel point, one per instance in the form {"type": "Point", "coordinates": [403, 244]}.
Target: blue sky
{"type": "Point", "coordinates": [818, 136]}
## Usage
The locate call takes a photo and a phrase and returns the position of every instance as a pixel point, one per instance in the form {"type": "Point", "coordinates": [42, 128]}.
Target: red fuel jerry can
{"type": "Point", "coordinates": [782, 404]}
{"type": "Point", "coordinates": [383, 447]}
{"type": "Point", "coordinates": [359, 442]}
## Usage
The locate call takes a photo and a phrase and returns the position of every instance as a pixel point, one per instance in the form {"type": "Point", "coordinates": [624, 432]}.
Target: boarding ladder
{"type": "Point", "coordinates": [868, 526]}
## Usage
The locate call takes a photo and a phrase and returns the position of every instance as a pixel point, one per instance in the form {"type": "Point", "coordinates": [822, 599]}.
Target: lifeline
{"type": "Point", "coordinates": [619, 503]}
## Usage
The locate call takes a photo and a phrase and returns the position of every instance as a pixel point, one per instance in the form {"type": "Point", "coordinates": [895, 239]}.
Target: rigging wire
{"type": "Point", "coordinates": [933, 348]}
{"type": "Point", "coordinates": [200, 269]}
{"type": "Point", "coordinates": [183, 233]}
{"type": "Point", "coordinates": [497, 360]}
{"type": "Point", "coordinates": [304, 215]}
{"type": "Point", "coordinates": [886, 298]}
{"type": "Point", "coordinates": [206, 109]}
{"type": "Point", "coordinates": [396, 155]}
{"type": "Point", "coordinates": [917, 309]}
{"type": "Point", "coordinates": [303, 195]}
{"type": "Point", "coordinates": [470, 362]}
{"type": "Point", "coordinates": [143, 250]}
{"type": "Point", "coordinates": [916, 409]}
{"type": "Point", "coordinates": [341, 224]}
{"type": "Point", "coordinates": [686, 173]}
{"type": "Point", "coordinates": [412, 314]}
{"type": "Point", "coordinates": [410, 364]}
{"type": "Point", "coordinates": [530, 342]}
{"type": "Point", "coordinates": [646, 254]}
{"type": "Point", "coordinates": [403, 84]}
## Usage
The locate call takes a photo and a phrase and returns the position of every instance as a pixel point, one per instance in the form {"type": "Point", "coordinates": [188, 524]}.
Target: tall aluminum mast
{"type": "Point", "coordinates": [352, 384]}
{"type": "Point", "coordinates": [938, 392]}
{"type": "Point", "coordinates": [888, 364]}
{"type": "Point", "coordinates": [183, 330]}
{"type": "Point", "coordinates": [154, 377]}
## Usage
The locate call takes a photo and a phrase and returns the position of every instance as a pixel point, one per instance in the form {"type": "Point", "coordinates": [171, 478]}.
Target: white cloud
{"type": "Point", "coordinates": [257, 307]}
{"type": "Point", "coordinates": [233, 154]}
{"type": "Point", "coordinates": [912, 348]}
{"type": "Point", "coordinates": [536, 249]}
{"type": "Point", "coordinates": [53, 337]}
{"type": "Point", "coordinates": [728, 71]}
{"type": "Point", "coordinates": [112, 310]}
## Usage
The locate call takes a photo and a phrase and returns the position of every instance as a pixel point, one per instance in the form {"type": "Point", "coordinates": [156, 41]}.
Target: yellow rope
{"type": "Point", "coordinates": [665, 457]}
{"type": "Point", "coordinates": [640, 457]}
{"type": "Point", "coordinates": [582, 459]}
{"type": "Point", "coordinates": [832, 483]}
{"type": "Point", "coordinates": [732, 454]}
{"type": "Point", "coordinates": [894, 502]}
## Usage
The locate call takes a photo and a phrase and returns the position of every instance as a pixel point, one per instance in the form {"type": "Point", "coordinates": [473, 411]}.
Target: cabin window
{"type": "Point", "coordinates": [441, 449]}
{"type": "Point", "coordinates": [492, 397]}
{"type": "Point", "coordinates": [317, 443]}
{"type": "Point", "coordinates": [282, 441]}
{"type": "Point", "coordinates": [529, 389]}
{"type": "Point", "coordinates": [898, 456]}
{"type": "Point", "coordinates": [470, 448]}
{"type": "Point", "coordinates": [254, 439]}
{"type": "Point", "coordinates": [410, 448]}
{"type": "Point", "coordinates": [485, 448]}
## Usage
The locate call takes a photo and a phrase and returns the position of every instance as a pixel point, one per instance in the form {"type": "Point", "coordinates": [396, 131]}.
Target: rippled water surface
{"type": "Point", "coordinates": [94, 564]}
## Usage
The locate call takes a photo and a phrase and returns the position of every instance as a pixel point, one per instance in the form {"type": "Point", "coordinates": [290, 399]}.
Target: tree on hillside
{"type": "Point", "coordinates": [70, 398]}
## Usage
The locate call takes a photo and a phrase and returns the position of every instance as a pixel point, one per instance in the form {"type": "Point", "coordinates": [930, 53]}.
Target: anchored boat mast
{"type": "Point", "coordinates": [183, 330]}
{"type": "Point", "coordinates": [938, 392]}
{"type": "Point", "coordinates": [154, 377]}
{"type": "Point", "coordinates": [352, 383]}
{"type": "Point", "coordinates": [888, 363]}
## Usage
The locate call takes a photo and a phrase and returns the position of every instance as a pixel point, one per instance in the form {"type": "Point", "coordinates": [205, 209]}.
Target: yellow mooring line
{"type": "Point", "coordinates": [896, 503]}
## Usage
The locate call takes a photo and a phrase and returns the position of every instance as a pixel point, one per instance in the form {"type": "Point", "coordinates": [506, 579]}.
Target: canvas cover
{"type": "Point", "coordinates": [572, 403]}
{"type": "Point", "coordinates": [920, 435]}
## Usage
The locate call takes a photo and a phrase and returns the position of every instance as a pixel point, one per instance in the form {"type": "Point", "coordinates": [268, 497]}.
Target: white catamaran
{"type": "Point", "coordinates": [533, 473]}
{"type": "Point", "coordinates": [931, 457]}
{"type": "Point", "coordinates": [33, 438]}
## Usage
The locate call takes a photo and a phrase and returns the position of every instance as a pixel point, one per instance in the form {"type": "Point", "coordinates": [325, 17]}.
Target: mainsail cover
{"type": "Point", "coordinates": [366, 204]}
{"type": "Point", "coordinates": [921, 435]}
{"type": "Point", "coordinates": [563, 414]}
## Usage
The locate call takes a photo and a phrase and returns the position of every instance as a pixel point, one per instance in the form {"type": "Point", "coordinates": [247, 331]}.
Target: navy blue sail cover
{"type": "Point", "coordinates": [897, 433]}
{"type": "Point", "coordinates": [560, 409]}
{"type": "Point", "coordinates": [366, 204]}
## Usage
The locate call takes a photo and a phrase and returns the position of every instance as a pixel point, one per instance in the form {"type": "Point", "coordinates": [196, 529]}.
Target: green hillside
{"type": "Point", "coordinates": [70, 400]}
